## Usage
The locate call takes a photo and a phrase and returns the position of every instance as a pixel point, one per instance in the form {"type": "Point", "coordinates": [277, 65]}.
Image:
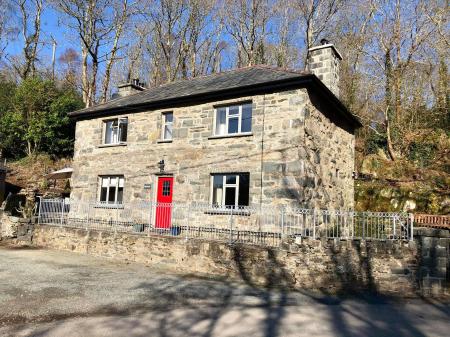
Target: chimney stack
{"type": "Point", "coordinates": [129, 88]}
{"type": "Point", "coordinates": [324, 62]}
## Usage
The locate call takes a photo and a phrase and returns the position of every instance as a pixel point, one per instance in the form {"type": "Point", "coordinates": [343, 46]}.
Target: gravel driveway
{"type": "Point", "coordinates": [53, 293]}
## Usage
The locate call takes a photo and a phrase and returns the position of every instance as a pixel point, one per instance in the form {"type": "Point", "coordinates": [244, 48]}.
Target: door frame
{"type": "Point", "coordinates": [155, 193]}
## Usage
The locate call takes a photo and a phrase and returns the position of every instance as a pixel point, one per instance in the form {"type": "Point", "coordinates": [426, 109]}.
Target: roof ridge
{"type": "Point", "coordinates": [283, 69]}
{"type": "Point", "coordinates": [202, 76]}
{"type": "Point", "coordinates": [233, 70]}
{"type": "Point", "coordinates": [116, 99]}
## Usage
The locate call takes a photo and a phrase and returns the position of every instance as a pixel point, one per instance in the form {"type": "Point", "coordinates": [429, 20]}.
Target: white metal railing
{"type": "Point", "coordinates": [266, 225]}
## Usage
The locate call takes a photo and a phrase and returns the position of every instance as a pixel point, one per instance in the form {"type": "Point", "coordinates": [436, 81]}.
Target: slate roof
{"type": "Point", "coordinates": [242, 81]}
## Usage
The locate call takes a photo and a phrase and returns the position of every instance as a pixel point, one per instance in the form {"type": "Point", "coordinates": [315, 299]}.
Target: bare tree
{"type": "Point", "coordinates": [5, 25]}
{"type": "Point", "coordinates": [400, 31]}
{"type": "Point", "coordinates": [353, 32]}
{"type": "Point", "coordinates": [246, 22]}
{"type": "Point", "coordinates": [168, 30]}
{"type": "Point", "coordinates": [121, 15]}
{"type": "Point", "coordinates": [30, 27]}
{"type": "Point", "coordinates": [70, 63]}
{"type": "Point", "coordinates": [99, 25]}
{"type": "Point", "coordinates": [203, 45]}
{"type": "Point", "coordinates": [183, 39]}
{"type": "Point", "coordinates": [317, 19]}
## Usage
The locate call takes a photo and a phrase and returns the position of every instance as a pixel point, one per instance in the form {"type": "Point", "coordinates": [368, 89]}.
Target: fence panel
{"type": "Point", "coordinates": [262, 225]}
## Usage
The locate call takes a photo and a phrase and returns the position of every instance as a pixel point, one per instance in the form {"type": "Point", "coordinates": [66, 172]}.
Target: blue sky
{"type": "Point", "coordinates": [50, 28]}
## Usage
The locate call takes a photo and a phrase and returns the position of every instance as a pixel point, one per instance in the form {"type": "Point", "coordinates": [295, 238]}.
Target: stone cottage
{"type": "Point", "coordinates": [246, 137]}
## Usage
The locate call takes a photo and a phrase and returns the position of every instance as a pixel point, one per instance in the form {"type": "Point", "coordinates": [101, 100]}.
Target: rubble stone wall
{"type": "Point", "coordinates": [297, 154]}
{"type": "Point", "coordinates": [330, 266]}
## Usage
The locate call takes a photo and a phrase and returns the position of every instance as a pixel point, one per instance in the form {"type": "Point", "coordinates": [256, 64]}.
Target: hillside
{"type": "Point", "coordinates": [420, 182]}
{"type": "Point", "coordinates": [29, 172]}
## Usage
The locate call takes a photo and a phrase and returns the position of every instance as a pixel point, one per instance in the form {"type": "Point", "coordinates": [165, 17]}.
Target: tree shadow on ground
{"type": "Point", "coordinates": [171, 306]}
{"type": "Point", "coordinates": [274, 276]}
{"type": "Point", "coordinates": [355, 276]}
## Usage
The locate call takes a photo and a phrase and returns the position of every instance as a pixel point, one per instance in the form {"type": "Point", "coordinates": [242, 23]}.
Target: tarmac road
{"type": "Point", "coordinates": [53, 293]}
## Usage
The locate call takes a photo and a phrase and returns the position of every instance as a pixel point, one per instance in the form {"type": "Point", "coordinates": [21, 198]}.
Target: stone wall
{"type": "Point", "coordinates": [15, 228]}
{"type": "Point", "coordinates": [295, 155]}
{"type": "Point", "coordinates": [328, 266]}
{"type": "Point", "coordinates": [8, 225]}
{"type": "Point", "coordinates": [324, 62]}
{"type": "Point", "coordinates": [434, 258]}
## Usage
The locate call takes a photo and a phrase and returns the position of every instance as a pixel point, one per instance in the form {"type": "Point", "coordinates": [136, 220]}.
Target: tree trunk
{"type": "Point", "coordinates": [29, 148]}
{"type": "Point", "coordinates": [93, 83]}
{"type": "Point", "coordinates": [118, 34]}
{"type": "Point", "coordinates": [388, 138]}
{"type": "Point", "coordinates": [85, 76]}
{"type": "Point", "coordinates": [388, 99]}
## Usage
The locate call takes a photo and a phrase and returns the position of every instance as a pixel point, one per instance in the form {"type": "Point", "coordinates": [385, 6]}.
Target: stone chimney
{"type": "Point", "coordinates": [129, 88]}
{"type": "Point", "coordinates": [324, 62]}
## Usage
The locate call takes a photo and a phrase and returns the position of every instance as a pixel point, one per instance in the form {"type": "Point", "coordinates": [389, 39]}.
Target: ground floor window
{"type": "Point", "coordinates": [230, 190]}
{"type": "Point", "coordinates": [111, 189]}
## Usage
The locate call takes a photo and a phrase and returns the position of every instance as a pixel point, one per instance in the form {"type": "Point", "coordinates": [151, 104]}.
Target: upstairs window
{"type": "Point", "coordinates": [111, 189]}
{"type": "Point", "coordinates": [116, 131]}
{"type": "Point", "coordinates": [230, 190]}
{"type": "Point", "coordinates": [167, 126]}
{"type": "Point", "coordinates": [233, 119]}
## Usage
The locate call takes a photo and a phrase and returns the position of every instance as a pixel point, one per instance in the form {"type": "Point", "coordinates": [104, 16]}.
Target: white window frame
{"type": "Point", "coordinates": [109, 186]}
{"type": "Point", "coordinates": [164, 124]}
{"type": "Point", "coordinates": [228, 117]}
{"type": "Point", "coordinates": [224, 187]}
{"type": "Point", "coordinates": [120, 120]}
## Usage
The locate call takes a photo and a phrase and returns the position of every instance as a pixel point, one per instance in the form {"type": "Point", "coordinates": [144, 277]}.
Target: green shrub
{"type": "Point", "coordinates": [375, 142]}
{"type": "Point", "coordinates": [422, 153]}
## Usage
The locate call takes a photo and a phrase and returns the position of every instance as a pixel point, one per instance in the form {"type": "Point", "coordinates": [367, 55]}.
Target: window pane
{"type": "Point", "coordinates": [244, 188]}
{"type": "Point", "coordinates": [112, 195]}
{"type": "Point", "coordinates": [110, 187]}
{"type": "Point", "coordinates": [166, 188]}
{"type": "Point", "coordinates": [103, 192]}
{"type": "Point", "coordinates": [246, 124]}
{"type": "Point", "coordinates": [218, 180]}
{"type": "Point", "coordinates": [231, 180]}
{"type": "Point", "coordinates": [111, 132]}
{"type": "Point", "coordinates": [120, 195]}
{"type": "Point", "coordinates": [233, 110]}
{"type": "Point", "coordinates": [221, 120]}
{"type": "Point", "coordinates": [168, 117]}
{"type": "Point", "coordinates": [217, 196]}
{"type": "Point", "coordinates": [123, 129]}
{"type": "Point", "coordinates": [114, 136]}
{"type": "Point", "coordinates": [168, 131]}
{"type": "Point", "coordinates": [105, 182]}
{"type": "Point", "coordinates": [108, 132]}
{"type": "Point", "coordinates": [233, 125]}
{"type": "Point", "coordinates": [230, 196]}
{"type": "Point", "coordinates": [217, 190]}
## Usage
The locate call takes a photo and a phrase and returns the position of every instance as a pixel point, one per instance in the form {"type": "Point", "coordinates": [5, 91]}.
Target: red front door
{"type": "Point", "coordinates": [164, 202]}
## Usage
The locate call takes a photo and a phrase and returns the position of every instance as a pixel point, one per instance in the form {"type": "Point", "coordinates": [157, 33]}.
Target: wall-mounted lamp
{"type": "Point", "coordinates": [161, 165]}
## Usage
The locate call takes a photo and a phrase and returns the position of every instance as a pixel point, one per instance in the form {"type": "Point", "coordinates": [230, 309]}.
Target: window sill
{"type": "Point", "coordinates": [232, 135]}
{"type": "Point", "coordinates": [224, 211]}
{"type": "Point", "coordinates": [162, 141]}
{"type": "Point", "coordinates": [109, 206]}
{"type": "Point", "coordinates": [112, 145]}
